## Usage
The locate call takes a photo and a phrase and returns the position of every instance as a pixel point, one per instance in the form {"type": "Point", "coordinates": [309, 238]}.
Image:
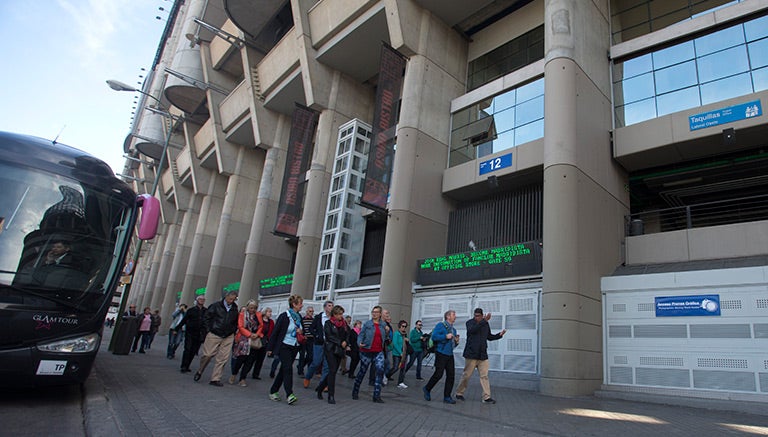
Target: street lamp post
{"type": "Point", "coordinates": [119, 86]}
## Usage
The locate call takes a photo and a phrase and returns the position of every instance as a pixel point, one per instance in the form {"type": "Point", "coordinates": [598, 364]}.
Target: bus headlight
{"type": "Point", "coordinates": [86, 343]}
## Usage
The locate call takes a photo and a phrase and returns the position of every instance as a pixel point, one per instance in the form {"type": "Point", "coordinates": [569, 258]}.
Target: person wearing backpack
{"type": "Point", "coordinates": [445, 337]}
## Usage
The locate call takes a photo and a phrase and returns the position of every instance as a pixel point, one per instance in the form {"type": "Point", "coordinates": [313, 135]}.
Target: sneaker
{"type": "Point", "coordinates": [243, 383]}
{"type": "Point", "coordinates": [292, 399]}
{"type": "Point", "coordinates": [489, 401]}
{"type": "Point", "coordinates": [232, 380]}
{"type": "Point", "coordinates": [402, 385]}
{"type": "Point", "coordinates": [427, 396]}
{"type": "Point", "coordinates": [449, 400]}
{"type": "Point", "coordinates": [460, 397]}
{"type": "Point", "coordinates": [274, 397]}
{"type": "Point", "coordinates": [384, 381]}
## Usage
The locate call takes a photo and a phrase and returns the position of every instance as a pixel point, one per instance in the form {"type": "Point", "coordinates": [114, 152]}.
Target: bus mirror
{"type": "Point", "coordinates": [150, 216]}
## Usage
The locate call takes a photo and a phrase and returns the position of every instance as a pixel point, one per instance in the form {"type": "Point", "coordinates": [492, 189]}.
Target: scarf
{"type": "Point", "coordinates": [340, 324]}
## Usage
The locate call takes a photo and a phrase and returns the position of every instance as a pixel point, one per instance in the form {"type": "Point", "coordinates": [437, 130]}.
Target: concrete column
{"type": "Point", "coordinates": [265, 254]}
{"type": "Point", "coordinates": [418, 214]}
{"type": "Point", "coordinates": [316, 197]}
{"type": "Point", "coordinates": [234, 222]}
{"type": "Point", "coordinates": [203, 242]}
{"type": "Point", "coordinates": [161, 293]}
{"type": "Point", "coordinates": [584, 200]}
{"type": "Point", "coordinates": [183, 251]}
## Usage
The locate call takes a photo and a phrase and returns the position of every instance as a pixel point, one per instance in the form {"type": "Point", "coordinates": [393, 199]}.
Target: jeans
{"type": "Point", "coordinates": [395, 367]}
{"type": "Point", "coordinates": [174, 340]}
{"type": "Point", "coordinates": [318, 357]}
{"type": "Point", "coordinates": [417, 356]}
{"type": "Point", "coordinates": [376, 361]}
{"type": "Point", "coordinates": [144, 341]}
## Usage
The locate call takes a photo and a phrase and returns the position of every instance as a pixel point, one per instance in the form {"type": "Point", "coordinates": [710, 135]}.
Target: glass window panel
{"type": "Point", "coordinates": [636, 88]}
{"type": "Point", "coordinates": [344, 240]}
{"type": "Point", "coordinates": [726, 88]}
{"type": "Point", "coordinates": [678, 101]}
{"type": "Point", "coordinates": [484, 149]}
{"type": "Point", "coordinates": [723, 64]}
{"type": "Point", "coordinates": [504, 101]}
{"type": "Point", "coordinates": [758, 53]}
{"type": "Point", "coordinates": [529, 132]}
{"type": "Point", "coordinates": [676, 77]}
{"type": "Point", "coordinates": [484, 108]}
{"type": "Point", "coordinates": [504, 120]}
{"type": "Point", "coordinates": [529, 111]}
{"type": "Point", "coordinates": [637, 112]}
{"type": "Point", "coordinates": [530, 91]}
{"type": "Point", "coordinates": [461, 118]}
{"type": "Point", "coordinates": [332, 221]}
{"type": "Point", "coordinates": [357, 163]}
{"type": "Point", "coordinates": [353, 181]}
{"type": "Point", "coordinates": [673, 55]}
{"type": "Point", "coordinates": [757, 28]}
{"type": "Point", "coordinates": [329, 241]}
{"type": "Point", "coordinates": [361, 146]}
{"type": "Point", "coordinates": [341, 165]}
{"type": "Point", "coordinates": [334, 202]}
{"type": "Point", "coordinates": [719, 40]}
{"type": "Point", "coordinates": [661, 22]}
{"type": "Point", "coordinates": [634, 67]}
{"type": "Point", "coordinates": [342, 262]}
{"type": "Point", "coordinates": [351, 199]}
{"type": "Point", "coordinates": [503, 142]}
{"type": "Point", "coordinates": [760, 79]}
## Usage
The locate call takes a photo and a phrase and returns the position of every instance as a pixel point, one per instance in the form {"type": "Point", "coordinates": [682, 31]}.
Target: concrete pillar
{"type": "Point", "coordinates": [265, 254]}
{"type": "Point", "coordinates": [150, 269]}
{"type": "Point", "coordinates": [584, 200]}
{"type": "Point", "coordinates": [183, 251]}
{"type": "Point", "coordinates": [235, 220]}
{"type": "Point", "coordinates": [203, 242]}
{"type": "Point", "coordinates": [418, 217]}
{"type": "Point", "coordinates": [163, 298]}
{"type": "Point", "coordinates": [316, 197]}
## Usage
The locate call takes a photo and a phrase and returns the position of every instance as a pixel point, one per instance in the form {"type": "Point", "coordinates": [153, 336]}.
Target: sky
{"type": "Point", "coordinates": [56, 57]}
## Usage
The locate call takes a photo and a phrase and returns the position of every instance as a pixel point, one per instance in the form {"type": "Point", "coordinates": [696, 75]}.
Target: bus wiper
{"type": "Point", "coordinates": [26, 291]}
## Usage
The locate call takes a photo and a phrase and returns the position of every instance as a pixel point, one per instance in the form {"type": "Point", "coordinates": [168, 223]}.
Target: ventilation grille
{"type": "Point", "coordinates": [620, 359]}
{"type": "Point", "coordinates": [763, 381]}
{"type": "Point", "coordinates": [490, 306]}
{"type": "Point", "coordinates": [433, 308]}
{"type": "Point", "coordinates": [762, 303]}
{"type": "Point", "coordinates": [519, 345]}
{"type": "Point", "coordinates": [619, 308]}
{"type": "Point", "coordinates": [662, 377]}
{"type": "Point", "coordinates": [721, 331]}
{"type": "Point", "coordinates": [646, 307]}
{"type": "Point", "coordinates": [521, 304]}
{"type": "Point", "coordinates": [730, 304]}
{"type": "Point", "coordinates": [521, 321]}
{"type": "Point", "coordinates": [620, 331]}
{"type": "Point", "coordinates": [520, 363]}
{"type": "Point", "coordinates": [621, 375]}
{"type": "Point", "coordinates": [723, 363]}
{"type": "Point", "coordinates": [661, 361]}
{"type": "Point", "coordinates": [494, 361]}
{"type": "Point", "coordinates": [724, 380]}
{"type": "Point", "coordinates": [661, 331]}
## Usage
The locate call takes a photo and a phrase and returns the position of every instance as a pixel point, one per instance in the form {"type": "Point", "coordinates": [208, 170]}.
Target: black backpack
{"type": "Point", "coordinates": [427, 345]}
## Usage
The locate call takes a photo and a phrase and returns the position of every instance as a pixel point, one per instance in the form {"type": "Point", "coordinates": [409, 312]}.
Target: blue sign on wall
{"type": "Point", "coordinates": [702, 305]}
{"type": "Point", "coordinates": [496, 163]}
{"type": "Point", "coordinates": [725, 115]}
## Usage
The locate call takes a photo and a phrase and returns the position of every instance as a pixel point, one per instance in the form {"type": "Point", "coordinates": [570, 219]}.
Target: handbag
{"type": "Point", "coordinates": [255, 343]}
{"type": "Point", "coordinates": [300, 337]}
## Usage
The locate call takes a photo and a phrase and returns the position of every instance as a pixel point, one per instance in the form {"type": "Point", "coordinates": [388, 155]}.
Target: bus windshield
{"type": "Point", "coordinates": [59, 240]}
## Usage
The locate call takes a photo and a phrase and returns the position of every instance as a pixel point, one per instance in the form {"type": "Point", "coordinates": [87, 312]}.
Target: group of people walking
{"type": "Point", "coordinates": [223, 333]}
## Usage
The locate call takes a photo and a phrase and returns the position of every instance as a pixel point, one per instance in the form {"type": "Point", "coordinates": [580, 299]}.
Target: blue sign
{"type": "Point", "coordinates": [703, 305]}
{"type": "Point", "coordinates": [725, 115]}
{"type": "Point", "coordinates": [496, 163]}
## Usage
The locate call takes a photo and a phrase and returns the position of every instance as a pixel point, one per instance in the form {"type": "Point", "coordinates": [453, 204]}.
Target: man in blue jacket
{"type": "Point", "coordinates": [476, 354]}
{"type": "Point", "coordinates": [445, 338]}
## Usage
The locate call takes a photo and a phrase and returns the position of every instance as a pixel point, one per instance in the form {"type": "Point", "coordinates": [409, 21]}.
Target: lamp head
{"type": "Point", "coordinates": [119, 86]}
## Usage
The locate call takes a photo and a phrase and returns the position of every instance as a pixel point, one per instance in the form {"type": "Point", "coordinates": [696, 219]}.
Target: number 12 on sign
{"type": "Point", "coordinates": [496, 163]}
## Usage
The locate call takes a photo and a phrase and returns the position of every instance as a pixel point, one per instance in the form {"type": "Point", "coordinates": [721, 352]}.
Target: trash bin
{"type": "Point", "coordinates": [124, 335]}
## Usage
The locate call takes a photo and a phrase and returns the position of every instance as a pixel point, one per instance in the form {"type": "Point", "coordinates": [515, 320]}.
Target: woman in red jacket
{"type": "Point", "coordinates": [267, 327]}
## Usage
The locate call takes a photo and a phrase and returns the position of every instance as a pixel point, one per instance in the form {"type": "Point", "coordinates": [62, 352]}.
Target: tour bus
{"type": "Point", "coordinates": [66, 223]}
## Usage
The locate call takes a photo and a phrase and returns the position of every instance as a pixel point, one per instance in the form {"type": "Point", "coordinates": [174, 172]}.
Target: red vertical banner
{"type": "Point", "coordinates": [382, 153]}
{"type": "Point", "coordinates": [300, 145]}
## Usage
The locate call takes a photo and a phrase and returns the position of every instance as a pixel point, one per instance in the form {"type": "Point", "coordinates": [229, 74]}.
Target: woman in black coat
{"type": "Point", "coordinates": [335, 331]}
